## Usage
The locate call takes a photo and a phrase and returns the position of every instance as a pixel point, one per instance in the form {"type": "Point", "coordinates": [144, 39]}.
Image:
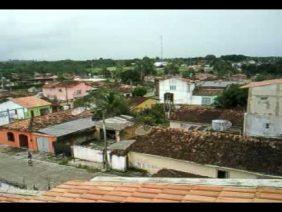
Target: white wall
{"type": "Point", "coordinates": [182, 94]}
{"type": "Point", "coordinates": [88, 154]}
{"type": "Point", "coordinates": [94, 155]}
{"type": "Point", "coordinates": [118, 162]}
{"type": "Point", "coordinates": [12, 107]}
{"type": "Point", "coordinates": [255, 125]}
{"type": "Point", "coordinates": [154, 163]}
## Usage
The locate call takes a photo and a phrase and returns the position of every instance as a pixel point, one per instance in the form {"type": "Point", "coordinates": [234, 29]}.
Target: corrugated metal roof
{"type": "Point", "coordinates": [68, 127]}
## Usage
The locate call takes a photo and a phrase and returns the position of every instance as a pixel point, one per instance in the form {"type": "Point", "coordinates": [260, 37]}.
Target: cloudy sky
{"type": "Point", "coordinates": [121, 34]}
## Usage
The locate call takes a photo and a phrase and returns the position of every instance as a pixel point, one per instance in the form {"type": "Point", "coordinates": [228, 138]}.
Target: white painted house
{"type": "Point", "coordinates": [10, 110]}
{"type": "Point", "coordinates": [183, 92]}
{"type": "Point", "coordinates": [264, 109]}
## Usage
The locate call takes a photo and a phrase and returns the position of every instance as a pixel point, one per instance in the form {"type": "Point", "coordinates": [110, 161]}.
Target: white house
{"type": "Point", "coordinates": [183, 91]}
{"type": "Point", "coordinates": [10, 110]}
{"type": "Point", "coordinates": [264, 109]}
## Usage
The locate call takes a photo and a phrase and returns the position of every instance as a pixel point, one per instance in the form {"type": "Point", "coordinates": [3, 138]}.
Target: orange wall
{"type": "Point", "coordinates": [32, 144]}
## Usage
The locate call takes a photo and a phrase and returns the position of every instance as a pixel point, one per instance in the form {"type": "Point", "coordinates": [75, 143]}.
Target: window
{"type": "Point", "coordinates": [10, 136]}
{"type": "Point", "coordinates": [206, 101]}
{"type": "Point", "coordinates": [60, 90]}
{"type": "Point", "coordinates": [78, 92]}
{"type": "Point", "coordinates": [222, 174]}
{"type": "Point", "coordinates": [173, 87]}
{"type": "Point", "coordinates": [264, 98]}
{"type": "Point", "coordinates": [32, 113]}
{"type": "Point", "coordinates": [267, 125]}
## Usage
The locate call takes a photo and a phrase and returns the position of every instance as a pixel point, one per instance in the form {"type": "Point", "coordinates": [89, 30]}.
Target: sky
{"type": "Point", "coordinates": [127, 34]}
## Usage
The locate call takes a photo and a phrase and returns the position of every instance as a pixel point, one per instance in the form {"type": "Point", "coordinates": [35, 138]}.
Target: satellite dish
{"type": "Point", "coordinates": [77, 111]}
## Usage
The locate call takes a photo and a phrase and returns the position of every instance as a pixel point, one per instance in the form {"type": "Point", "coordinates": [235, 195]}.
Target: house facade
{"type": "Point", "coordinates": [23, 108]}
{"type": "Point", "coordinates": [64, 91]}
{"type": "Point", "coordinates": [182, 91]}
{"type": "Point", "coordinates": [264, 109]}
{"type": "Point", "coordinates": [54, 132]}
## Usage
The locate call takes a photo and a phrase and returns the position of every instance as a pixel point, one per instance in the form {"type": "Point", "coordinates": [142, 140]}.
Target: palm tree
{"type": "Point", "coordinates": [108, 103]}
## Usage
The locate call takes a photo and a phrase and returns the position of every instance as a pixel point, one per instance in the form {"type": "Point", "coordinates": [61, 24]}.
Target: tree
{"type": "Point", "coordinates": [232, 97]}
{"type": "Point", "coordinates": [222, 67]}
{"type": "Point", "coordinates": [145, 67]}
{"type": "Point", "coordinates": [139, 91]}
{"type": "Point", "coordinates": [154, 116]}
{"type": "Point", "coordinates": [106, 73]}
{"type": "Point", "coordinates": [172, 69]}
{"type": "Point", "coordinates": [188, 73]}
{"type": "Point", "coordinates": [108, 103]}
{"type": "Point", "coordinates": [131, 76]}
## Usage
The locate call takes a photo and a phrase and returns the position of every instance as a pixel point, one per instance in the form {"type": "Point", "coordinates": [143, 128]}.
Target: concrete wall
{"type": "Point", "coordinates": [69, 93]}
{"type": "Point", "coordinates": [88, 154]}
{"type": "Point", "coordinates": [182, 94]}
{"type": "Point", "coordinates": [255, 125]}
{"type": "Point", "coordinates": [95, 155]}
{"type": "Point", "coordinates": [32, 138]}
{"type": "Point", "coordinates": [264, 112]}
{"type": "Point", "coordinates": [16, 112]}
{"type": "Point", "coordinates": [154, 163]}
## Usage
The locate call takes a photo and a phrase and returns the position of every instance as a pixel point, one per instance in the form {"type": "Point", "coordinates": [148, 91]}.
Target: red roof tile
{"type": "Point", "coordinates": [30, 102]}
{"type": "Point", "coordinates": [163, 192]}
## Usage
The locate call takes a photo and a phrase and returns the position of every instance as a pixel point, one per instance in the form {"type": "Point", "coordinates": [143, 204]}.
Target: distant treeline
{"type": "Point", "coordinates": [270, 65]}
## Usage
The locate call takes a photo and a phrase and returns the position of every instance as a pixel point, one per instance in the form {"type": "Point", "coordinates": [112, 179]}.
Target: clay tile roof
{"type": "Point", "coordinates": [213, 148]}
{"type": "Point", "coordinates": [6, 197]}
{"type": "Point", "coordinates": [30, 102]}
{"type": "Point", "coordinates": [50, 119]}
{"type": "Point", "coordinates": [62, 84]}
{"type": "Point", "coordinates": [206, 115]}
{"type": "Point", "coordinates": [262, 83]}
{"type": "Point", "coordinates": [103, 191]}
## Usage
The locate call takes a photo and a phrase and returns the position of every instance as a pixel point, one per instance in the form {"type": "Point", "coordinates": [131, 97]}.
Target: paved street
{"type": "Point", "coordinates": [16, 169]}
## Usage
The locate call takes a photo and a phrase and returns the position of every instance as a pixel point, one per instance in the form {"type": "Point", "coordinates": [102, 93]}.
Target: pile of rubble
{"type": "Point", "coordinates": [215, 148]}
{"type": "Point", "coordinates": [207, 114]}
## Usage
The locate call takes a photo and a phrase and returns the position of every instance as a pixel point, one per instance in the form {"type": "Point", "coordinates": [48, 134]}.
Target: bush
{"type": "Point", "coordinates": [154, 116]}
{"type": "Point", "coordinates": [139, 91]}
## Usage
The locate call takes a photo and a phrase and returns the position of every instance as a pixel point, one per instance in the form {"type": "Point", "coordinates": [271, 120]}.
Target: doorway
{"type": "Point", "coordinates": [23, 141]}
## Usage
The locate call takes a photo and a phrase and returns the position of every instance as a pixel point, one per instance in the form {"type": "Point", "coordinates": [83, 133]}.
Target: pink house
{"type": "Point", "coordinates": [64, 91]}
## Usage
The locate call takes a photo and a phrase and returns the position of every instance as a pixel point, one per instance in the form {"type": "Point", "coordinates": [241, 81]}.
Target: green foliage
{"type": "Point", "coordinates": [222, 67]}
{"type": "Point", "coordinates": [274, 69]}
{"type": "Point", "coordinates": [145, 67]}
{"type": "Point", "coordinates": [131, 76]}
{"type": "Point", "coordinates": [188, 73]}
{"type": "Point", "coordinates": [108, 103]}
{"type": "Point", "coordinates": [139, 91]}
{"type": "Point", "coordinates": [234, 58]}
{"type": "Point", "coordinates": [106, 73]}
{"type": "Point", "coordinates": [172, 68]}
{"type": "Point", "coordinates": [232, 97]}
{"type": "Point", "coordinates": [154, 116]}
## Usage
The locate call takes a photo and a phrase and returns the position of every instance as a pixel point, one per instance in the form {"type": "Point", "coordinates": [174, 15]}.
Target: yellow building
{"type": "Point", "coordinates": [139, 104]}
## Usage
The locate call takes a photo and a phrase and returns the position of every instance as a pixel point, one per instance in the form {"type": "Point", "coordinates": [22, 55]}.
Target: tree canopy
{"type": "Point", "coordinates": [233, 96]}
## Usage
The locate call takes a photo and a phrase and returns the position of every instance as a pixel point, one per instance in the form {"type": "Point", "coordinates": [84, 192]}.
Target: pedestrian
{"type": "Point", "coordinates": [29, 156]}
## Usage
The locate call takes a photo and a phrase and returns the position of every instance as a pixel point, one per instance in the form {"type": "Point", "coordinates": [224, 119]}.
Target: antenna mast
{"type": "Point", "coordinates": [161, 48]}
